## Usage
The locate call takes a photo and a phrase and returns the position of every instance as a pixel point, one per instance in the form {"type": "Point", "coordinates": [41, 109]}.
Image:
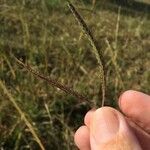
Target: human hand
{"type": "Point", "coordinates": [108, 129]}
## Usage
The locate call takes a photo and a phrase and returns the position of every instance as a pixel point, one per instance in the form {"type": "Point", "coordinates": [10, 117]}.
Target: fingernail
{"type": "Point", "coordinates": [120, 97]}
{"type": "Point", "coordinates": [105, 125]}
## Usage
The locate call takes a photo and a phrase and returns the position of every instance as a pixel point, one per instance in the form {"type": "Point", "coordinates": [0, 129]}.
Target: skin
{"type": "Point", "coordinates": [107, 128]}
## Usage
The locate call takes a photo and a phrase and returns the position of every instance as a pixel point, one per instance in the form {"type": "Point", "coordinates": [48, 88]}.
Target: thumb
{"type": "Point", "coordinates": [110, 131]}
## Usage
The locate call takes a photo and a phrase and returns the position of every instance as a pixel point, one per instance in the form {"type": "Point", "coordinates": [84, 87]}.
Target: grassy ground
{"type": "Point", "coordinates": [46, 35]}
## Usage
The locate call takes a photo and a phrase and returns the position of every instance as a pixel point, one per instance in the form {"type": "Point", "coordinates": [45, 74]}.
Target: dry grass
{"type": "Point", "coordinates": [22, 115]}
{"type": "Point", "coordinates": [51, 41]}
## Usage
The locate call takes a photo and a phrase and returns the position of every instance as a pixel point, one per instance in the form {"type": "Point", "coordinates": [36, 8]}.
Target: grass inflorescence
{"type": "Point", "coordinates": [50, 45]}
{"type": "Point", "coordinates": [98, 54]}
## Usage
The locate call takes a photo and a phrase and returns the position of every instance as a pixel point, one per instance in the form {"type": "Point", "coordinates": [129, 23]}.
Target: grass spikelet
{"type": "Point", "coordinates": [97, 54]}
{"type": "Point", "coordinates": [23, 116]}
{"type": "Point", "coordinates": [54, 83]}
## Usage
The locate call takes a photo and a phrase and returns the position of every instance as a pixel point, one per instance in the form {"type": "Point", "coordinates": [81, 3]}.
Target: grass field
{"type": "Point", "coordinates": [45, 34]}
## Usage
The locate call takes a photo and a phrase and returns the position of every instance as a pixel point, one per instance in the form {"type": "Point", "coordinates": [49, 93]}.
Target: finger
{"type": "Point", "coordinates": [136, 106]}
{"type": "Point", "coordinates": [88, 117]}
{"type": "Point", "coordinates": [110, 131]}
{"type": "Point", "coordinates": [142, 136]}
{"type": "Point", "coordinates": [82, 138]}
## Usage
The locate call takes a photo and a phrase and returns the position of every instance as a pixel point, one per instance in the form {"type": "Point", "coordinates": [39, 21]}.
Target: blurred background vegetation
{"type": "Point", "coordinates": [44, 34]}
